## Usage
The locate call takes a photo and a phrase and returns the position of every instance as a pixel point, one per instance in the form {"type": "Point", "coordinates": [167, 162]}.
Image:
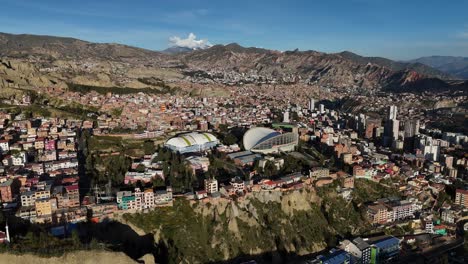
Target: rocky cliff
{"type": "Point", "coordinates": [265, 225]}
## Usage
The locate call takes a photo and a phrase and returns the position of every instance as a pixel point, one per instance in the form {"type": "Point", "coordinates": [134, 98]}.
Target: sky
{"type": "Point", "coordinates": [394, 29]}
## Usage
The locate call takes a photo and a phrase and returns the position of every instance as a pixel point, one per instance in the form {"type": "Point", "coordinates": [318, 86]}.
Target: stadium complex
{"type": "Point", "coordinates": [265, 140]}
{"type": "Point", "coordinates": [192, 142]}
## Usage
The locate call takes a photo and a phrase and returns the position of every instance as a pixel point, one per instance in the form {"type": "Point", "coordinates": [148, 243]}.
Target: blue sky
{"type": "Point", "coordinates": [389, 28]}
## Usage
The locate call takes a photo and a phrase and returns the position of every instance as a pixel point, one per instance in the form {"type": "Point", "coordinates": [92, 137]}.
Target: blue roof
{"type": "Point", "coordinates": [335, 257]}
{"type": "Point", "coordinates": [388, 242]}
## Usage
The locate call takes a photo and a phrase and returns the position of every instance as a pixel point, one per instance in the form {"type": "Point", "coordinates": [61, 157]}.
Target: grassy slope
{"type": "Point", "coordinates": [192, 237]}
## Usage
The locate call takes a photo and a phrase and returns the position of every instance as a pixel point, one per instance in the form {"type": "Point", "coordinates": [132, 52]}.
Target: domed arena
{"type": "Point", "coordinates": [265, 140]}
{"type": "Point", "coordinates": [192, 142]}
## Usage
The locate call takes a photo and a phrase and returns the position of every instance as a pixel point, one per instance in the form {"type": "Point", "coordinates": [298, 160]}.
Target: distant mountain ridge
{"type": "Point", "coordinates": [176, 50]}
{"type": "Point", "coordinates": [341, 70]}
{"type": "Point", "coordinates": [457, 66]}
{"type": "Point", "coordinates": [24, 45]}
{"type": "Point", "coordinates": [399, 66]}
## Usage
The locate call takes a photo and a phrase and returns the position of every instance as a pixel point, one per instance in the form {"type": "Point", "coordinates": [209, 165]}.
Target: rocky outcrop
{"type": "Point", "coordinates": [268, 223]}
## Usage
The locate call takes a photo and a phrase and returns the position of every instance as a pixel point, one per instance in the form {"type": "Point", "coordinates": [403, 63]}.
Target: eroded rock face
{"type": "Point", "coordinates": [256, 224]}
{"type": "Point", "coordinates": [15, 73]}
{"type": "Point", "coordinates": [47, 60]}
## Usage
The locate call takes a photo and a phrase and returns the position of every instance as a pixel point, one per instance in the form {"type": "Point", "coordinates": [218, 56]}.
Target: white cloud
{"type": "Point", "coordinates": [189, 42]}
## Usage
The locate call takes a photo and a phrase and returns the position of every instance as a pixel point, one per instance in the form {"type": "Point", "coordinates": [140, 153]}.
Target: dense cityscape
{"type": "Point", "coordinates": [309, 148]}
{"type": "Point", "coordinates": [139, 142]}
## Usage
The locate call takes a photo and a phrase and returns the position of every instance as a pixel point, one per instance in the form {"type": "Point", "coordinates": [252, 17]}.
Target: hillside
{"type": "Point", "coordinates": [29, 61]}
{"type": "Point", "coordinates": [419, 67]}
{"type": "Point", "coordinates": [78, 257]}
{"type": "Point", "coordinates": [50, 47]}
{"type": "Point", "coordinates": [457, 66]}
{"type": "Point", "coordinates": [269, 226]}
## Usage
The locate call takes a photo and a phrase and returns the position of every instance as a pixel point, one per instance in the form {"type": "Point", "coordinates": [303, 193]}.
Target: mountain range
{"type": "Point", "coordinates": [55, 60]}
{"type": "Point", "coordinates": [179, 49]}
{"type": "Point", "coordinates": [456, 66]}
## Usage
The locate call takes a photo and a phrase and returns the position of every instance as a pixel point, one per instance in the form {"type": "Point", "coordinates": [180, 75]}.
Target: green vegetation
{"type": "Point", "coordinates": [43, 105]}
{"type": "Point", "coordinates": [38, 241]}
{"type": "Point", "coordinates": [223, 170]}
{"type": "Point", "coordinates": [116, 112]}
{"type": "Point", "coordinates": [270, 169]}
{"type": "Point", "coordinates": [148, 147]}
{"type": "Point", "coordinates": [164, 89]}
{"type": "Point", "coordinates": [368, 191]}
{"type": "Point", "coordinates": [105, 168]}
{"type": "Point", "coordinates": [102, 167]}
{"type": "Point", "coordinates": [192, 237]}
{"type": "Point", "coordinates": [344, 216]}
{"type": "Point", "coordinates": [127, 146]}
{"type": "Point", "coordinates": [399, 230]}
{"type": "Point", "coordinates": [230, 139]}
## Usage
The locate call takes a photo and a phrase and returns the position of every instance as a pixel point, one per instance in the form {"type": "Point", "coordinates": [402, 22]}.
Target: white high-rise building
{"type": "Point", "coordinates": [286, 117]}
{"type": "Point", "coordinates": [7, 230]}
{"type": "Point", "coordinates": [431, 152]}
{"type": "Point", "coordinates": [311, 104]}
{"type": "Point", "coordinates": [392, 127]}
{"type": "Point", "coordinates": [321, 108]}
{"type": "Point", "coordinates": [426, 144]}
{"type": "Point", "coordinates": [392, 113]}
{"type": "Point", "coordinates": [395, 126]}
{"type": "Point", "coordinates": [411, 128]}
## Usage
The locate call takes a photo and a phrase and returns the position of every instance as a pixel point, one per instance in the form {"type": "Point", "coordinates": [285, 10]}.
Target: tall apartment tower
{"type": "Point", "coordinates": [411, 128]}
{"type": "Point", "coordinates": [311, 104]}
{"type": "Point", "coordinates": [392, 113]}
{"type": "Point", "coordinates": [286, 117]}
{"type": "Point", "coordinates": [392, 126]}
{"type": "Point", "coordinates": [321, 108]}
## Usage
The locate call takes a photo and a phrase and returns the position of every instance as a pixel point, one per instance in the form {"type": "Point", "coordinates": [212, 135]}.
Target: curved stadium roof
{"type": "Point", "coordinates": [257, 135]}
{"type": "Point", "coordinates": [190, 139]}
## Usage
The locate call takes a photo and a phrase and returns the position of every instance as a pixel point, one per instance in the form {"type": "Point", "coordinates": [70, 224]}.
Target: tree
{"type": "Point", "coordinates": [223, 127]}
{"type": "Point", "coordinates": [291, 164]}
{"type": "Point", "coordinates": [75, 239]}
{"type": "Point", "coordinates": [270, 169]}
{"type": "Point", "coordinates": [230, 139]}
{"type": "Point", "coordinates": [158, 182]}
{"type": "Point", "coordinates": [140, 168]}
{"type": "Point", "coordinates": [148, 147]}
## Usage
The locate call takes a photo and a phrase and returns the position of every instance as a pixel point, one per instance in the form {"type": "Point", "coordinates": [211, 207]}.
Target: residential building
{"type": "Point", "coordinates": [163, 196]}
{"type": "Point", "coordinates": [211, 186]}
{"type": "Point", "coordinates": [385, 250]}
{"type": "Point", "coordinates": [348, 182]}
{"type": "Point", "coordinates": [238, 185]}
{"type": "Point", "coordinates": [461, 197]}
{"type": "Point", "coordinates": [377, 213]}
{"type": "Point", "coordinates": [316, 173]}
{"type": "Point", "coordinates": [4, 146]}
{"type": "Point", "coordinates": [28, 198]}
{"type": "Point", "coordinates": [73, 194]}
{"type": "Point", "coordinates": [7, 191]}
{"type": "Point", "coordinates": [43, 207]}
